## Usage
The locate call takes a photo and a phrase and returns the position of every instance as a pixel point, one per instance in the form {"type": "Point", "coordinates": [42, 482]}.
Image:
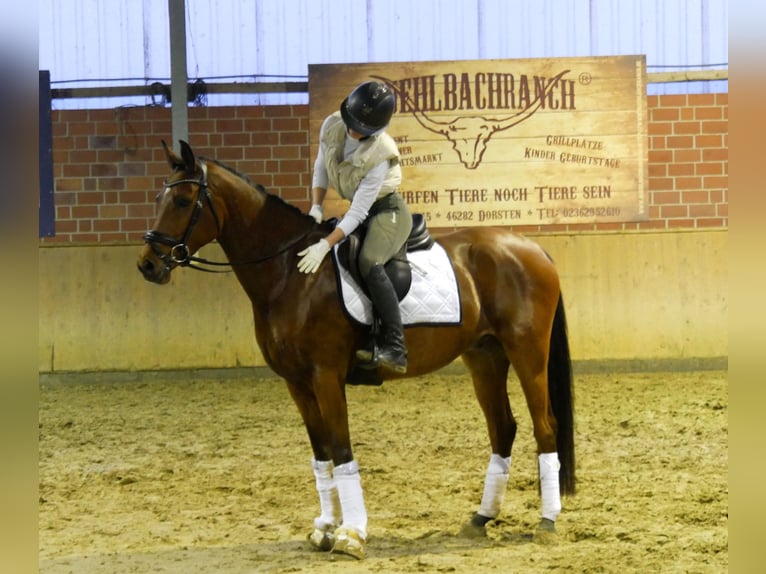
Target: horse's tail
{"type": "Point", "coordinates": [561, 393]}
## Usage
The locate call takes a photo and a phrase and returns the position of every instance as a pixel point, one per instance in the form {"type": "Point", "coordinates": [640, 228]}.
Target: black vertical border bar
{"type": "Point", "coordinates": [47, 215]}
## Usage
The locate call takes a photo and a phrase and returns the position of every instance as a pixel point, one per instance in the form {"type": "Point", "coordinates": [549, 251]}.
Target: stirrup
{"type": "Point", "coordinates": [387, 363]}
{"type": "Point", "coordinates": [367, 355]}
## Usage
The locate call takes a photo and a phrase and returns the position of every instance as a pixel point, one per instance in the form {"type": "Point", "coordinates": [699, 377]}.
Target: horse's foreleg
{"type": "Point", "coordinates": [342, 523]}
{"type": "Point", "coordinates": [350, 538]}
{"type": "Point", "coordinates": [330, 515]}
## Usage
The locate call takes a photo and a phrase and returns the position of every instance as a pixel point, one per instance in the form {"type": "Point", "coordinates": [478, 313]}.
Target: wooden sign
{"type": "Point", "coordinates": [508, 142]}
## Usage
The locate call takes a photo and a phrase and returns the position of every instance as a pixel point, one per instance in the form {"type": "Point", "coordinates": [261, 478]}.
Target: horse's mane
{"type": "Point", "coordinates": [256, 186]}
{"type": "Point", "coordinates": [233, 171]}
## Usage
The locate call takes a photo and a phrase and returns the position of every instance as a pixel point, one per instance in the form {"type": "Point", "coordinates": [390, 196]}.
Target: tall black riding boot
{"type": "Point", "coordinates": [389, 351]}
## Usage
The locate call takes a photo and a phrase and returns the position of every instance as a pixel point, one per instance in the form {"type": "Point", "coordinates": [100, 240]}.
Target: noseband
{"type": "Point", "coordinates": [179, 250]}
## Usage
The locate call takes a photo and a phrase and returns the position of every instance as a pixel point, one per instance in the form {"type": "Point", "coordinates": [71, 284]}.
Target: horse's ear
{"type": "Point", "coordinates": [174, 160]}
{"type": "Point", "coordinates": [188, 156]}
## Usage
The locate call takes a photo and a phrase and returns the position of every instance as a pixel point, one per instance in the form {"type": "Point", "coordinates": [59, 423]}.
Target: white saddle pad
{"type": "Point", "coordinates": [433, 298]}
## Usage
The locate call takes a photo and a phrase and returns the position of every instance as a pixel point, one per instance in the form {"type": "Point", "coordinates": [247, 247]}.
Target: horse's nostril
{"type": "Point", "coordinates": [146, 266]}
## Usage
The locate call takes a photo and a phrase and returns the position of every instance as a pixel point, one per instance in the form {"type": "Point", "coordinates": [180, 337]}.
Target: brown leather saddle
{"type": "Point", "coordinates": [398, 268]}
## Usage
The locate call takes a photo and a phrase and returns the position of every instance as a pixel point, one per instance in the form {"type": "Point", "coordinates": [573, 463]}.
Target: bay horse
{"type": "Point", "coordinates": [512, 314]}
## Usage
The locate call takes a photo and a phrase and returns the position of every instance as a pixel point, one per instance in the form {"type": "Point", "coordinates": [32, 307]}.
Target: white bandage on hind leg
{"type": "Point", "coordinates": [329, 503]}
{"type": "Point", "coordinates": [349, 485]}
{"type": "Point", "coordinates": [549, 484]}
{"type": "Point", "coordinates": [495, 484]}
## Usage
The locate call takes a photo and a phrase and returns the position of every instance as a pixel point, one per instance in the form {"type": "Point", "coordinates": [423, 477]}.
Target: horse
{"type": "Point", "coordinates": [511, 314]}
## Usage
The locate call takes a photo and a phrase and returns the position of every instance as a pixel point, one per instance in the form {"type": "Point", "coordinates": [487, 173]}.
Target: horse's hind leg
{"type": "Point", "coordinates": [530, 361]}
{"type": "Point", "coordinates": [489, 369]}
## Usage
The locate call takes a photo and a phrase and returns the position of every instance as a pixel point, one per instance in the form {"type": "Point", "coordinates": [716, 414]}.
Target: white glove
{"type": "Point", "coordinates": [312, 256]}
{"type": "Point", "coordinates": [316, 212]}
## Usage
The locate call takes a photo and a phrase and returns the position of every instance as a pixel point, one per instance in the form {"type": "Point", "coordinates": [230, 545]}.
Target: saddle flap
{"type": "Point", "coordinates": [397, 269]}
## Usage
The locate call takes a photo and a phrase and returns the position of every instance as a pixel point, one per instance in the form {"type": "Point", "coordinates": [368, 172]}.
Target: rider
{"type": "Point", "coordinates": [360, 161]}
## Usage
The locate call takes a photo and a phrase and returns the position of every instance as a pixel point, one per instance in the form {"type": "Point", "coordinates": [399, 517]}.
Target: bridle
{"type": "Point", "coordinates": [179, 253]}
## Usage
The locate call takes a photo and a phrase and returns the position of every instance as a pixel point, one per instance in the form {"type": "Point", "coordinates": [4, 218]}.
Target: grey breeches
{"type": "Point", "coordinates": [387, 231]}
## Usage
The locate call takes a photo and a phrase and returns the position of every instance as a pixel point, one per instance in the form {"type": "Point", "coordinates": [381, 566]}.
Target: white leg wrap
{"type": "Point", "coordinates": [329, 503]}
{"type": "Point", "coordinates": [549, 484]}
{"type": "Point", "coordinates": [349, 485]}
{"type": "Point", "coordinates": [495, 484]}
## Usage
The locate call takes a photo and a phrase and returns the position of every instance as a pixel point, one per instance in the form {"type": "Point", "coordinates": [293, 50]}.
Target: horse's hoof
{"type": "Point", "coordinates": [545, 533]}
{"type": "Point", "coordinates": [476, 527]}
{"type": "Point", "coordinates": [322, 539]}
{"type": "Point", "coordinates": [349, 542]}
{"type": "Point", "coordinates": [471, 530]}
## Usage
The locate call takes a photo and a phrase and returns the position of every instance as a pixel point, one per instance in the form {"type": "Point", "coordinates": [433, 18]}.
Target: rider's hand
{"type": "Point", "coordinates": [316, 212]}
{"type": "Point", "coordinates": [312, 256]}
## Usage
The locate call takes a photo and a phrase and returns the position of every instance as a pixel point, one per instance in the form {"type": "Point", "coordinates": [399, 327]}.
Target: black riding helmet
{"type": "Point", "coordinates": [368, 108]}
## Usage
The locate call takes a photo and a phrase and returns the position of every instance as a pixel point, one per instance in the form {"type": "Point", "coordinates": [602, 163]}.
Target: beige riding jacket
{"type": "Point", "coordinates": [344, 175]}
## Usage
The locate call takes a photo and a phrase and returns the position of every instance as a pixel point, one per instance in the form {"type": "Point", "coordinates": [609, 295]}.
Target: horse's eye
{"type": "Point", "coordinates": [183, 202]}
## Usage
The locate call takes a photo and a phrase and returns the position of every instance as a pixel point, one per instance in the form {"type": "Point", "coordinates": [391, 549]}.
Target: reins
{"type": "Point", "coordinates": [192, 259]}
{"type": "Point", "coordinates": [179, 250]}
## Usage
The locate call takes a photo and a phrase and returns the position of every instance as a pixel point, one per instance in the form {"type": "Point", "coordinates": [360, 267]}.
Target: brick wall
{"type": "Point", "coordinates": [109, 164]}
{"type": "Point", "coordinates": [688, 161]}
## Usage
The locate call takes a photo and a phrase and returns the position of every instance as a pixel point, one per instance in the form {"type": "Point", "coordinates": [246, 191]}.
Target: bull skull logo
{"type": "Point", "coordinates": [470, 135]}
